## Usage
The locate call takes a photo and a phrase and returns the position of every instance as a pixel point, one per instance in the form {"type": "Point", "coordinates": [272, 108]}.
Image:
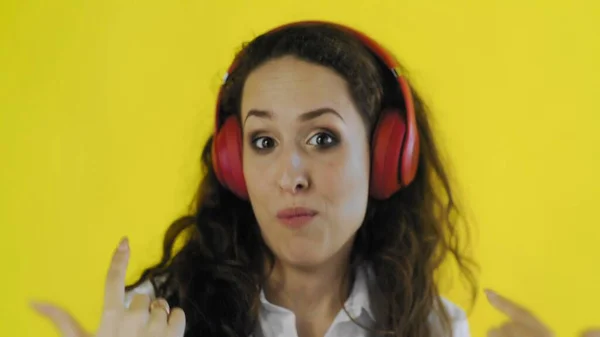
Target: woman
{"type": "Point", "coordinates": [325, 209]}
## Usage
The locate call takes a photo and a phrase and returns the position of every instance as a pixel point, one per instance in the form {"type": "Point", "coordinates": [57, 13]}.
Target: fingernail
{"type": "Point", "coordinates": [494, 333]}
{"type": "Point", "coordinates": [490, 293]}
{"type": "Point", "coordinates": [38, 306]}
{"type": "Point", "coordinates": [124, 245]}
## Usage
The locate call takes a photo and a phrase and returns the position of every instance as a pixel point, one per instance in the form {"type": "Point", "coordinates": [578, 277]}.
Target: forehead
{"type": "Point", "coordinates": [294, 86]}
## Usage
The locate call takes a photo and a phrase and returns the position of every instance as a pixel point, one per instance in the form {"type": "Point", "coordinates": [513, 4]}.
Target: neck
{"type": "Point", "coordinates": [315, 295]}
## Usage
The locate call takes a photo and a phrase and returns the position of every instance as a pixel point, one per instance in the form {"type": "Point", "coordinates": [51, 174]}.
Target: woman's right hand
{"type": "Point", "coordinates": [143, 318]}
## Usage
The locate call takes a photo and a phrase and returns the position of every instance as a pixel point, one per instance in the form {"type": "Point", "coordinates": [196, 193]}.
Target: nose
{"type": "Point", "coordinates": [294, 177]}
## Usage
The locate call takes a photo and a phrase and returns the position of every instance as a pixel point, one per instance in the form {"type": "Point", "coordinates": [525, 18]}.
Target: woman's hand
{"type": "Point", "coordinates": [522, 323]}
{"type": "Point", "coordinates": [143, 318]}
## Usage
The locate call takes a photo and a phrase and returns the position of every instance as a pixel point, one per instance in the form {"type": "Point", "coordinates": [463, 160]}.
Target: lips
{"type": "Point", "coordinates": [296, 217]}
{"type": "Point", "coordinates": [295, 212]}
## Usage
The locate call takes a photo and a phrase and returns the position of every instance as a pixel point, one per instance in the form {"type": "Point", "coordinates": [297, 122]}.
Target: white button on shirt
{"type": "Point", "coordinates": [276, 321]}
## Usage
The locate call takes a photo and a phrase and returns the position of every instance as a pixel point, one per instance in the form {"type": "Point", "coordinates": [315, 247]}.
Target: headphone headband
{"type": "Point", "coordinates": [383, 55]}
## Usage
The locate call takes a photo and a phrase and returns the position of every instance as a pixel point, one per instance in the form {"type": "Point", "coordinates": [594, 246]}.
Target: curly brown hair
{"type": "Point", "coordinates": [217, 271]}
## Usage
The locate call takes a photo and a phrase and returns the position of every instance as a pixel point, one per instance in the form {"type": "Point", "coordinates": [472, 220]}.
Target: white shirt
{"type": "Point", "coordinates": [276, 321]}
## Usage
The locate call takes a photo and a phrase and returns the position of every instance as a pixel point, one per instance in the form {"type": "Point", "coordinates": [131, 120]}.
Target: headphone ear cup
{"type": "Point", "coordinates": [387, 147]}
{"type": "Point", "coordinates": [410, 155]}
{"type": "Point", "coordinates": [227, 157]}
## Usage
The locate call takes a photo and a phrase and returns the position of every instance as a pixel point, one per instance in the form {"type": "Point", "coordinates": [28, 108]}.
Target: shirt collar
{"type": "Point", "coordinates": [361, 296]}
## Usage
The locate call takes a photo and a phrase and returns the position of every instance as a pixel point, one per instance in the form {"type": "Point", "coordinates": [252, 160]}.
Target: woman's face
{"type": "Point", "coordinates": [306, 160]}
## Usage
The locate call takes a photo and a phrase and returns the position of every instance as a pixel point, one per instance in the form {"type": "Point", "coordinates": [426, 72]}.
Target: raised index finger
{"type": "Point", "coordinates": [513, 310]}
{"type": "Point", "coordinates": [114, 291]}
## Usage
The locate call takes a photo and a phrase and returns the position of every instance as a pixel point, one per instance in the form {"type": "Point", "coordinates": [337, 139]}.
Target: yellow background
{"type": "Point", "coordinates": [105, 105]}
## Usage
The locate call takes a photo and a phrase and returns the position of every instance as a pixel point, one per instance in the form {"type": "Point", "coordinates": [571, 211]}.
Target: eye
{"type": "Point", "coordinates": [322, 139]}
{"type": "Point", "coordinates": [263, 143]}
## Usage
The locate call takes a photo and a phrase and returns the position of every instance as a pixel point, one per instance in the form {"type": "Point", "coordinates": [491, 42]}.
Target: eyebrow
{"type": "Point", "coordinates": [306, 116]}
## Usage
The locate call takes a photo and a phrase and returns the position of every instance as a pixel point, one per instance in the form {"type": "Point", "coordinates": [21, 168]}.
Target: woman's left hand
{"type": "Point", "coordinates": [522, 323]}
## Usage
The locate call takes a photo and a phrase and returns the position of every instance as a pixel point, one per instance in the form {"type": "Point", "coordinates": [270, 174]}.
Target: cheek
{"type": "Point", "coordinates": [345, 181]}
{"type": "Point", "coordinates": [255, 169]}
{"type": "Point", "coordinates": [260, 189]}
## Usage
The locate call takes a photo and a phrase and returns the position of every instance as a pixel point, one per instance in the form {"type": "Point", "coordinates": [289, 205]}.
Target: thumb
{"type": "Point", "coordinates": [66, 324]}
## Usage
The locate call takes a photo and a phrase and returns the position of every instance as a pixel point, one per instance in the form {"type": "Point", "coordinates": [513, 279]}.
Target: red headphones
{"type": "Point", "coordinates": [395, 142]}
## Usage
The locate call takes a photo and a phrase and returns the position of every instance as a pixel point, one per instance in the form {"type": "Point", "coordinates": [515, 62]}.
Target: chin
{"type": "Point", "coordinates": [303, 254]}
